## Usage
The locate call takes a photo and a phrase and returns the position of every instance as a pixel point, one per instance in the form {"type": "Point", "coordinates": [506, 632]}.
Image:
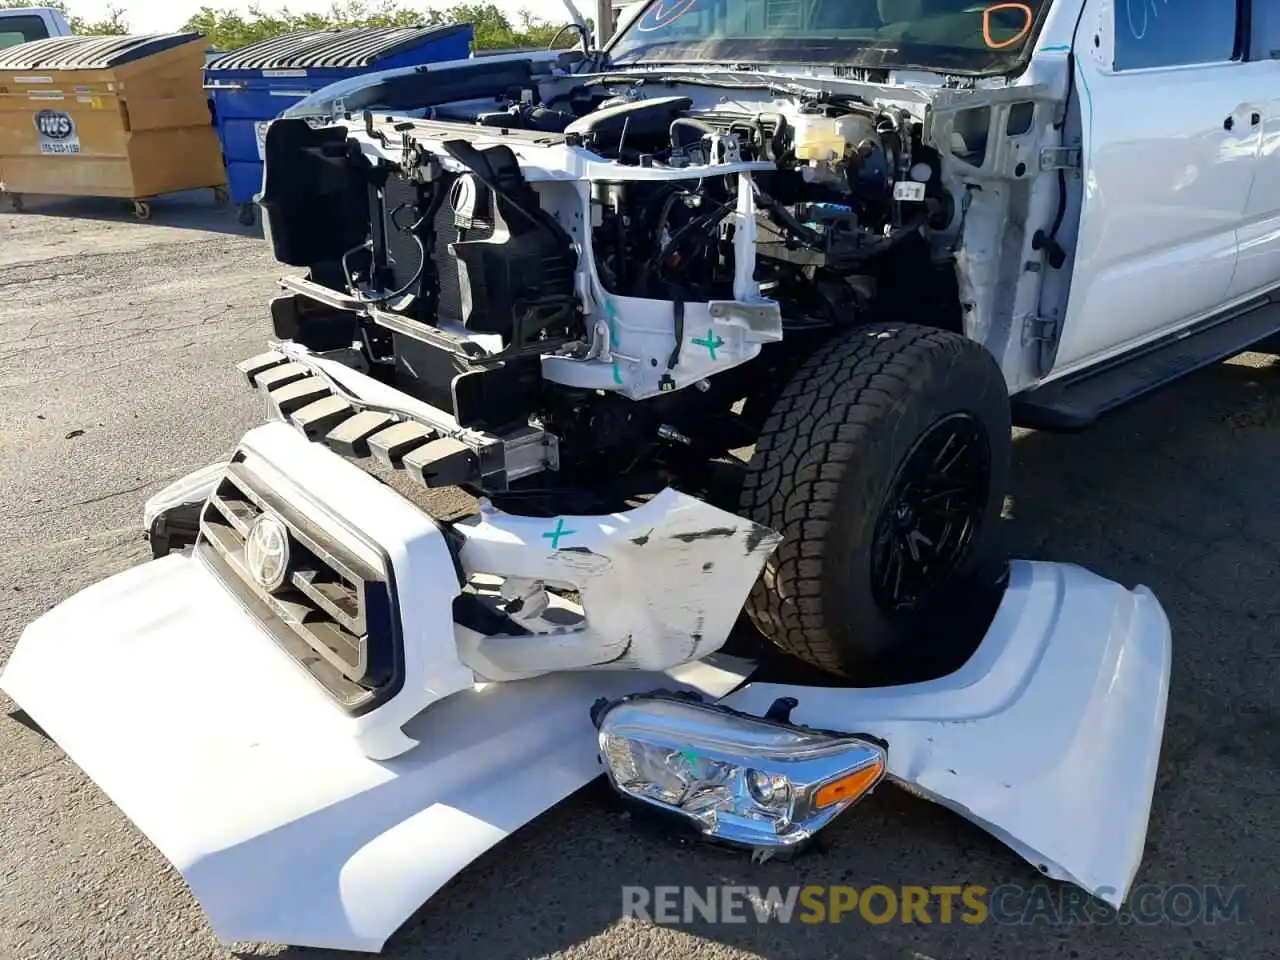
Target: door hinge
{"type": "Point", "coordinates": [1038, 329]}
{"type": "Point", "coordinates": [1060, 158]}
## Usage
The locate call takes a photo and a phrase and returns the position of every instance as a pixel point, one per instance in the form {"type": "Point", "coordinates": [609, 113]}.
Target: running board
{"type": "Point", "coordinates": [1075, 402]}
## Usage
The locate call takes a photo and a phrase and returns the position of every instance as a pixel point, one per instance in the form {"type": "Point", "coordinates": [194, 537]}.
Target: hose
{"type": "Point", "coordinates": [412, 230]}
{"type": "Point", "coordinates": [677, 302]}
{"type": "Point", "coordinates": [663, 214]}
{"type": "Point", "coordinates": [704, 129]}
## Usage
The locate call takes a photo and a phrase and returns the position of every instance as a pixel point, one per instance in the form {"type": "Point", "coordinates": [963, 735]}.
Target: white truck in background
{"type": "Point", "coordinates": [24, 24]}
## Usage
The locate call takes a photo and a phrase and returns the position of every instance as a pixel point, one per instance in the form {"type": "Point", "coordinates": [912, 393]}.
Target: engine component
{"type": "Point", "coordinates": [313, 193]}
{"type": "Point", "coordinates": [519, 281]}
{"type": "Point", "coordinates": [826, 139]}
{"type": "Point", "coordinates": [834, 147]}
{"type": "Point", "coordinates": [524, 116]}
{"type": "Point", "coordinates": [643, 120]}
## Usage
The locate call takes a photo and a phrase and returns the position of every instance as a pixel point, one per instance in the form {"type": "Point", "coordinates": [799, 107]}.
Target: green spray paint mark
{"type": "Point", "coordinates": [555, 535]}
{"type": "Point", "coordinates": [611, 316]}
{"type": "Point", "coordinates": [712, 343]}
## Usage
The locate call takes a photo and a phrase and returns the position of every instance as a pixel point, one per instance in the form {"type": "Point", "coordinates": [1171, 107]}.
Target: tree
{"type": "Point", "coordinates": [228, 28]}
{"type": "Point", "coordinates": [114, 24]}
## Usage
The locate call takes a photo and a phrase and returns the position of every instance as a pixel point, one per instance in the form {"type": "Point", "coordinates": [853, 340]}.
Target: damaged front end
{"type": "Point", "coordinates": [540, 282]}
{"type": "Point", "coordinates": [318, 744]}
{"type": "Point", "coordinates": [612, 278]}
{"type": "Point", "coordinates": [328, 680]}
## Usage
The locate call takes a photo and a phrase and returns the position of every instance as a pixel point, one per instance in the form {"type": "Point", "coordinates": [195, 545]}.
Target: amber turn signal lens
{"type": "Point", "coordinates": [849, 787]}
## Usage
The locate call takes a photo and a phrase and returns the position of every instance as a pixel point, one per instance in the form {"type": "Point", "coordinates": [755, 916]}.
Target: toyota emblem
{"type": "Point", "coordinates": [266, 552]}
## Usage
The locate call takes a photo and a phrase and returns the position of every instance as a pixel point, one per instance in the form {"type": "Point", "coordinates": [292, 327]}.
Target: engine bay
{"type": "Point", "coordinates": [521, 241]}
{"type": "Point", "coordinates": [828, 205]}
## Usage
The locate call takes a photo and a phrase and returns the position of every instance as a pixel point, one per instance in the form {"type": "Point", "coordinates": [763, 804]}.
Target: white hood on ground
{"type": "Point", "coordinates": [235, 764]}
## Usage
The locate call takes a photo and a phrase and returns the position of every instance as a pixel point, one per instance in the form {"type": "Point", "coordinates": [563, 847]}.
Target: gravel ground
{"type": "Point", "coordinates": [116, 366]}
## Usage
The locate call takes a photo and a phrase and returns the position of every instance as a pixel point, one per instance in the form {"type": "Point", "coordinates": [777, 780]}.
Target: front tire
{"type": "Point", "coordinates": [884, 466]}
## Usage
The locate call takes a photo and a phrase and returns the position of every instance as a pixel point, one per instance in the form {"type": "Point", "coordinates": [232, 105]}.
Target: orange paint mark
{"type": "Point", "coordinates": [991, 41]}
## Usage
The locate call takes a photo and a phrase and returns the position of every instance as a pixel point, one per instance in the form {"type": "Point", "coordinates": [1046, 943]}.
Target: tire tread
{"type": "Point", "coordinates": [809, 443]}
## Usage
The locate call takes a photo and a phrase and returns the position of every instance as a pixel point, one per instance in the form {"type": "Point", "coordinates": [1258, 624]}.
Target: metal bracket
{"type": "Point", "coordinates": [416, 163]}
{"type": "Point", "coordinates": [1038, 329]}
{"type": "Point", "coordinates": [1061, 158]}
{"type": "Point", "coordinates": [763, 320]}
{"type": "Point", "coordinates": [722, 149]}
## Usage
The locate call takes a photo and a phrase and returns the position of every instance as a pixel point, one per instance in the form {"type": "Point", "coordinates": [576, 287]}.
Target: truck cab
{"type": "Point", "coordinates": [24, 24]}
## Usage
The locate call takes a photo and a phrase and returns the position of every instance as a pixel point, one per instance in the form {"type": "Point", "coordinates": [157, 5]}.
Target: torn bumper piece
{"type": "Point", "coordinates": [239, 769]}
{"type": "Point", "coordinates": [390, 612]}
{"type": "Point", "coordinates": [1048, 737]}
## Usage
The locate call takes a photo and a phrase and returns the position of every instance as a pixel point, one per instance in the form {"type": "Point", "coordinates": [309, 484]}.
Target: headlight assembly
{"type": "Point", "coordinates": [749, 781]}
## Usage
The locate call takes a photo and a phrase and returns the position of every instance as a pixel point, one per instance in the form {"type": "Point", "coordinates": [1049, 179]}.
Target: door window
{"type": "Point", "coordinates": [1174, 33]}
{"type": "Point", "coordinates": [1264, 30]}
{"type": "Point", "coordinates": [16, 30]}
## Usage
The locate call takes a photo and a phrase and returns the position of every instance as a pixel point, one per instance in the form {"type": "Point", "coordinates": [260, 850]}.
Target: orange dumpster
{"type": "Point", "coordinates": [107, 117]}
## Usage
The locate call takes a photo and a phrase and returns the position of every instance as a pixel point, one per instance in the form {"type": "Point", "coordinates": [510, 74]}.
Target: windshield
{"type": "Point", "coordinates": [19, 29]}
{"type": "Point", "coordinates": [961, 36]}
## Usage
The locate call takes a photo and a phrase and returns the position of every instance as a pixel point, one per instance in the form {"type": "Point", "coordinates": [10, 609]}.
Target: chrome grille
{"type": "Point", "coordinates": [333, 613]}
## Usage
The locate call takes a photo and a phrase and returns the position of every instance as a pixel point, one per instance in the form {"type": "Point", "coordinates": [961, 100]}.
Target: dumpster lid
{"type": "Point", "coordinates": [333, 48]}
{"type": "Point", "coordinates": [89, 53]}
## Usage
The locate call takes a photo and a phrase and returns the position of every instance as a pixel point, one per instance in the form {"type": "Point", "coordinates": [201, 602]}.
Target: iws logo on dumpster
{"type": "Point", "coordinates": [57, 132]}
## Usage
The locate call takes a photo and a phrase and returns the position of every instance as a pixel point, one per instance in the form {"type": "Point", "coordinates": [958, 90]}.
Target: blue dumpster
{"type": "Point", "coordinates": [251, 86]}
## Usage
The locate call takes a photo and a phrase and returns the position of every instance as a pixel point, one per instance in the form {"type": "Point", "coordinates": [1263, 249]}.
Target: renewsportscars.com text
{"type": "Point", "coordinates": [939, 903]}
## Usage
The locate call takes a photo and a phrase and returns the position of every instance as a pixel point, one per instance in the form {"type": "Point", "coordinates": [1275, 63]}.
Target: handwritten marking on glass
{"type": "Point", "coordinates": [989, 39]}
{"type": "Point", "coordinates": [664, 13]}
{"type": "Point", "coordinates": [1141, 15]}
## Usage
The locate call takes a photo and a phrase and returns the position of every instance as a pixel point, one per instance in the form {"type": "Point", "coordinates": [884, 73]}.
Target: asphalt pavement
{"type": "Point", "coordinates": [118, 341]}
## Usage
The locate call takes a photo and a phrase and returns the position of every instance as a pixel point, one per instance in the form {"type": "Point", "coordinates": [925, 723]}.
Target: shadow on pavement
{"type": "Point", "coordinates": [188, 210]}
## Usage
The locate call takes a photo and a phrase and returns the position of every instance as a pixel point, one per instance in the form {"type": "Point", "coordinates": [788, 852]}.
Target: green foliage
{"type": "Point", "coordinates": [228, 28]}
{"type": "Point", "coordinates": [115, 23]}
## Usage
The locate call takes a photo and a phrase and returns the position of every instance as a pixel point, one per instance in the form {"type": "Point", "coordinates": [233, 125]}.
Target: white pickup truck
{"type": "Point", "coordinates": [24, 24]}
{"type": "Point", "coordinates": [861, 236]}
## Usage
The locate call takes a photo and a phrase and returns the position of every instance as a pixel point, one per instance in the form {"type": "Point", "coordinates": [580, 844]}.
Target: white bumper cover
{"type": "Point", "coordinates": [1048, 737]}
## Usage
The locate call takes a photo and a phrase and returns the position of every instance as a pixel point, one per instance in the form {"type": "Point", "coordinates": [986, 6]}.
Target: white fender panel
{"type": "Point", "coordinates": [242, 772]}
{"type": "Point", "coordinates": [1048, 737]}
